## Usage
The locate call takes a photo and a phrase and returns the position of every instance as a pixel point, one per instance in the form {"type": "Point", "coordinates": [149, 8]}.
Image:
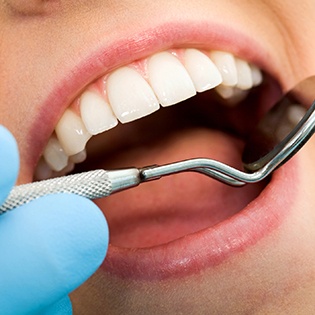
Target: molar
{"type": "Point", "coordinates": [96, 113]}
{"type": "Point", "coordinates": [72, 133]}
{"type": "Point", "coordinates": [169, 79]}
{"type": "Point", "coordinates": [130, 95]}
{"type": "Point", "coordinates": [203, 72]}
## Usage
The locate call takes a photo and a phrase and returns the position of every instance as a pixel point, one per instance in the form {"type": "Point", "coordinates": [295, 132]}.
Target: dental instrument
{"type": "Point", "coordinates": [275, 140]}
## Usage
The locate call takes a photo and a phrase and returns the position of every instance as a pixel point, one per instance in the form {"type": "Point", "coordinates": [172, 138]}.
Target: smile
{"type": "Point", "coordinates": [137, 90]}
{"type": "Point", "coordinates": [124, 117]}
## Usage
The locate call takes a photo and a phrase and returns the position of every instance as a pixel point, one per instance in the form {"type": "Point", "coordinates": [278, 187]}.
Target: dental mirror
{"type": "Point", "coordinates": [279, 135]}
{"type": "Point", "coordinates": [291, 117]}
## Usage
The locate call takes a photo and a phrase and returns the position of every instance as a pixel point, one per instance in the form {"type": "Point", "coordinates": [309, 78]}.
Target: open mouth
{"type": "Point", "coordinates": [219, 98]}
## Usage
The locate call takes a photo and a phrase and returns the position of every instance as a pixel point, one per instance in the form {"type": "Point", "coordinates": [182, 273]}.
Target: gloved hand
{"type": "Point", "coordinates": [47, 247]}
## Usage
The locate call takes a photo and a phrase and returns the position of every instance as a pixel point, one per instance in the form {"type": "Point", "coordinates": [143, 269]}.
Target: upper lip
{"type": "Point", "coordinates": [110, 56]}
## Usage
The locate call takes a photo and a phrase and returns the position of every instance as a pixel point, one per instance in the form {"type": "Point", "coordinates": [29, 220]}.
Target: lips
{"type": "Point", "coordinates": [184, 226]}
{"type": "Point", "coordinates": [209, 247]}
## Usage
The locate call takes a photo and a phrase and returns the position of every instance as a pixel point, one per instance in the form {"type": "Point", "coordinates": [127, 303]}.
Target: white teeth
{"type": "Point", "coordinates": [43, 170]}
{"type": "Point", "coordinates": [169, 79]}
{"type": "Point", "coordinates": [231, 94]}
{"type": "Point", "coordinates": [244, 75]}
{"type": "Point", "coordinates": [96, 114]}
{"type": "Point", "coordinates": [203, 72]}
{"type": "Point", "coordinates": [72, 133]}
{"type": "Point", "coordinates": [295, 114]}
{"type": "Point", "coordinates": [165, 78]}
{"type": "Point", "coordinates": [79, 157]}
{"type": "Point", "coordinates": [69, 168]}
{"type": "Point", "coordinates": [54, 155]}
{"type": "Point", "coordinates": [130, 96]}
{"type": "Point", "coordinates": [225, 92]}
{"type": "Point", "coordinates": [225, 63]}
{"type": "Point", "coordinates": [256, 75]}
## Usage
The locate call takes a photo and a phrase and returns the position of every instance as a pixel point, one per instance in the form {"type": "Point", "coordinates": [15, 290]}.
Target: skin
{"type": "Point", "coordinates": [277, 275]}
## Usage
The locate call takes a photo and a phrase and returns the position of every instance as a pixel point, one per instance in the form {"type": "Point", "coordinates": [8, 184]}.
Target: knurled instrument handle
{"type": "Point", "coordinates": [92, 185]}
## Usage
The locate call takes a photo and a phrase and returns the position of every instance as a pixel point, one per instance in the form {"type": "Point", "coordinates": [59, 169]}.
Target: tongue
{"type": "Point", "coordinates": [160, 211]}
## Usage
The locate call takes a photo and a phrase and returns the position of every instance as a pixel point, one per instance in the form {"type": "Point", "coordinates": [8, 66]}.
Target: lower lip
{"type": "Point", "coordinates": [210, 247]}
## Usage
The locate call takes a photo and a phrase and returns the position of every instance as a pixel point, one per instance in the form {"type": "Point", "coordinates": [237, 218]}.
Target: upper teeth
{"type": "Point", "coordinates": [137, 90]}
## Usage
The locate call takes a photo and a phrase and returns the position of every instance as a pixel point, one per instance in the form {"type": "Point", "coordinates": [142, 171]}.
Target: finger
{"type": "Point", "coordinates": [48, 248]}
{"type": "Point", "coordinates": [9, 162]}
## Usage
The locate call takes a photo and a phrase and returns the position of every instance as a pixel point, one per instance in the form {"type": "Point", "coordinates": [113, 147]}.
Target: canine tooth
{"type": "Point", "coordinates": [42, 171]}
{"type": "Point", "coordinates": [79, 157]}
{"type": "Point", "coordinates": [54, 155]}
{"type": "Point", "coordinates": [203, 72]}
{"type": "Point", "coordinates": [169, 79]}
{"type": "Point", "coordinates": [96, 114]}
{"type": "Point", "coordinates": [256, 75]}
{"type": "Point", "coordinates": [72, 133]}
{"type": "Point", "coordinates": [244, 74]}
{"type": "Point", "coordinates": [225, 62]}
{"type": "Point", "coordinates": [130, 95]}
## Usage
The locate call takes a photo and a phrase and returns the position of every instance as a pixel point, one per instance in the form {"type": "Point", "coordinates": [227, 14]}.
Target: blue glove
{"type": "Point", "coordinates": [47, 247]}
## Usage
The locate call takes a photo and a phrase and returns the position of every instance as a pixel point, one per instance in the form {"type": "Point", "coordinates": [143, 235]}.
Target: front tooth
{"type": "Point", "coordinates": [225, 62]}
{"type": "Point", "coordinates": [169, 79]}
{"type": "Point", "coordinates": [54, 155]}
{"type": "Point", "coordinates": [72, 133]}
{"type": "Point", "coordinates": [130, 95]}
{"type": "Point", "coordinates": [96, 113]}
{"type": "Point", "coordinates": [244, 75]}
{"type": "Point", "coordinates": [203, 72]}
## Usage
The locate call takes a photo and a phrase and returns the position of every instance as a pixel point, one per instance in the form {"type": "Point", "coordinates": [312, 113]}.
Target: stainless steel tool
{"type": "Point", "coordinates": [278, 136]}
